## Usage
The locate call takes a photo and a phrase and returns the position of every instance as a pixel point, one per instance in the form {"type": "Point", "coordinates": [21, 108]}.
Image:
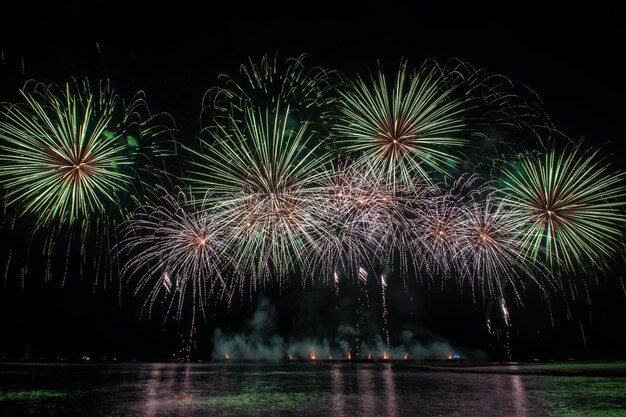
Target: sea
{"type": "Point", "coordinates": [305, 389]}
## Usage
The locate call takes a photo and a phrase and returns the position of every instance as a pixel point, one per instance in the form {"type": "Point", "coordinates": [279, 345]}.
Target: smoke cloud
{"type": "Point", "coordinates": [259, 340]}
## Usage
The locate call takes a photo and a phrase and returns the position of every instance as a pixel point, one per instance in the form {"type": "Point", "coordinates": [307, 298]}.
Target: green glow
{"type": "Point", "coordinates": [566, 396]}
{"type": "Point", "coordinates": [573, 366]}
{"type": "Point", "coordinates": [132, 141]}
{"type": "Point", "coordinates": [32, 395]}
{"type": "Point", "coordinates": [108, 134]}
{"type": "Point", "coordinates": [276, 402]}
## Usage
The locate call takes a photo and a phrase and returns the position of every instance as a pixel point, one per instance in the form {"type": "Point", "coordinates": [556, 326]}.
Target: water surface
{"type": "Point", "coordinates": [296, 389]}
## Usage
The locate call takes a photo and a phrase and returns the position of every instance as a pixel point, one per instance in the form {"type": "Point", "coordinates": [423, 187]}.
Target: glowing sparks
{"type": "Point", "coordinates": [402, 131]}
{"type": "Point", "coordinates": [265, 83]}
{"type": "Point", "coordinates": [179, 239]}
{"type": "Point", "coordinates": [63, 152]}
{"type": "Point", "coordinates": [569, 206]}
{"type": "Point", "coordinates": [267, 204]}
{"type": "Point", "coordinates": [70, 155]}
{"type": "Point", "coordinates": [260, 174]}
{"type": "Point", "coordinates": [362, 274]}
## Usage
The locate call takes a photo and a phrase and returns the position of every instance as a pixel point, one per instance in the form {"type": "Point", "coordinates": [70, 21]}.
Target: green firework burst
{"type": "Point", "coordinates": [73, 156]}
{"type": "Point", "coordinates": [405, 129]}
{"type": "Point", "coordinates": [258, 174]}
{"type": "Point", "coordinates": [569, 205]}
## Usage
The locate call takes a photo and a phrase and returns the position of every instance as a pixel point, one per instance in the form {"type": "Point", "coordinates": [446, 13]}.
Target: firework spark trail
{"type": "Point", "coordinates": [177, 251]}
{"type": "Point", "coordinates": [358, 211]}
{"type": "Point", "coordinates": [569, 206]}
{"type": "Point", "coordinates": [496, 101]}
{"type": "Point", "coordinates": [383, 287]}
{"type": "Point", "coordinates": [362, 306]}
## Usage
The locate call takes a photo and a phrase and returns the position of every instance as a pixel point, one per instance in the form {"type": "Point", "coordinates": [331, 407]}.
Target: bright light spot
{"type": "Point", "coordinates": [362, 274]}
{"type": "Point", "coordinates": [167, 283]}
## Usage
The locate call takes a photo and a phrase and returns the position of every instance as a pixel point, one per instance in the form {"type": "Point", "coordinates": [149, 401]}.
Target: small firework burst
{"type": "Point", "coordinates": [438, 225]}
{"type": "Point", "coordinates": [176, 251]}
{"type": "Point", "coordinates": [491, 253]}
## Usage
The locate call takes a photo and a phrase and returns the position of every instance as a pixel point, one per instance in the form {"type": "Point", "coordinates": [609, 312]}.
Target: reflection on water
{"type": "Point", "coordinates": [299, 389]}
{"type": "Point", "coordinates": [518, 396]}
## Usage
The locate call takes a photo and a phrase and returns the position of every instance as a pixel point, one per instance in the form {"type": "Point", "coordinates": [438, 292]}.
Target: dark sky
{"type": "Point", "coordinates": [573, 59]}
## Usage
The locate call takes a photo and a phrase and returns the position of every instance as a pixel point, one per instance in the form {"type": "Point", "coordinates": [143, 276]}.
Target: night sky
{"type": "Point", "coordinates": [573, 59]}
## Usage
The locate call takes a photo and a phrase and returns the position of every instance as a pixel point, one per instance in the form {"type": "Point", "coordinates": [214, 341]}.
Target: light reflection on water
{"type": "Point", "coordinates": [298, 389]}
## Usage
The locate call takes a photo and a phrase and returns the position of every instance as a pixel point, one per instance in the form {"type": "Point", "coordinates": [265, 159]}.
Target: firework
{"type": "Point", "coordinates": [260, 173]}
{"type": "Point", "coordinates": [405, 129]}
{"type": "Point", "coordinates": [491, 251]}
{"type": "Point", "coordinates": [176, 251]}
{"type": "Point", "coordinates": [365, 216]}
{"type": "Point", "coordinates": [498, 107]}
{"type": "Point", "coordinates": [264, 204]}
{"type": "Point", "coordinates": [265, 84]}
{"type": "Point", "coordinates": [70, 156]}
{"type": "Point", "coordinates": [437, 227]}
{"type": "Point", "coordinates": [569, 206]}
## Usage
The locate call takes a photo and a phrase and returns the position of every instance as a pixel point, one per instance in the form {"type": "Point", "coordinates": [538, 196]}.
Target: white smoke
{"type": "Point", "coordinates": [260, 341]}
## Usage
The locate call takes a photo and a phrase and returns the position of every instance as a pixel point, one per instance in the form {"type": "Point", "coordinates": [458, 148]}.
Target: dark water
{"type": "Point", "coordinates": [298, 389]}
